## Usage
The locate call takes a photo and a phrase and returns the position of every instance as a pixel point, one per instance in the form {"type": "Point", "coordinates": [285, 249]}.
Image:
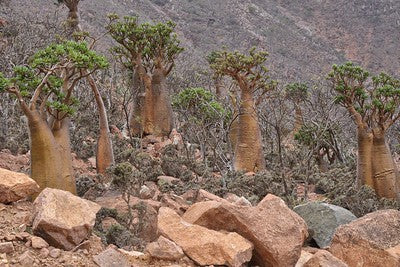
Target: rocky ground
{"type": "Point", "coordinates": [196, 228]}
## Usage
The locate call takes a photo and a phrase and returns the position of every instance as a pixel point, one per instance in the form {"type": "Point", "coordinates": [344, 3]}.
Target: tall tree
{"type": "Point", "coordinates": [149, 51]}
{"type": "Point", "coordinates": [250, 74]}
{"type": "Point", "coordinates": [44, 90]}
{"type": "Point", "coordinates": [297, 93]}
{"type": "Point", "coordinates": [373, 103]}
{"type": "Point", "coordinates": [104, 150]}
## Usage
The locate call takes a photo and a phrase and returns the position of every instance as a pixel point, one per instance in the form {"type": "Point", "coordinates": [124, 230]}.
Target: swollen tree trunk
{"type": "Point", "coordinates": [49, 167]}
{"type": "Point", "coordinates": [104, 151]}
{"type": "Point", "coordinates": [248, 151]}
{"type": "Point", "coordinates": [298, 119]}
{"type": "Point", "coordinates": [61, 135]}
{"type": "Point", "coordinates": [136, 118]}
{"type": "Point", "coordinates": [364, 157]}
{"type": "Point", "coordinates": [385, 173]}
{"type": "Point", "coordinates": [162, 109]}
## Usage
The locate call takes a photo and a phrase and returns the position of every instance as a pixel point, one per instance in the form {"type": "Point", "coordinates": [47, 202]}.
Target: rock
{"type": "Point", "coordinates": [175, 202]}
{"type": "Point", "coordinates": [304, 257]}
{"type": "Point", "coordinates": [62, 219]}
{"type": "Point", "coordinates": [111, 257]}
{"type": "Point", "coordinates": [275, 230]}
{"type": "Point", "coordinates": [242, 201]}
{"type": "Point", "coordinates": [55, 253]}
{"type": "Point", "coordinates": [145, 192]}
{"type": "Point", "coordinates": [6, 247]}
{"type": "Point", "coordinates": [38, 242]}
{"type": "Point", "coordinates": [15, 186]}
{"type": "Point", "coordinates": [203, 195]}
{"type": "Point", "coordinates": [3, 260]}
{"type": "Point", "coordinates": [204, 246]}
{"type": "Point", "coordinates": [163, 179]}
{"type": "Point", "coordinates": [372, 240]}
{"type": "Point", "coordinates": [44, 252]}
{"type": "Point", "coordinates": [323, 219]}
{"type": "Point", "coordinates": [324, 259]}
{"type": "Point", "coordinates": [232, 198]}
{"type": "Point", "coordinates": [165, 249]}
{"type": "Point", "coordinates": [26, 259]}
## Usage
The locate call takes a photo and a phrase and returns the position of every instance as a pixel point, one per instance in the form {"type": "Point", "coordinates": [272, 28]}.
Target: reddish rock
{"type": "Point", "coordinates": [204, 246]}
{"type": "Point", "coordinates": [15, 186]}
{"type": "Point", "coordinates": [165, 249]}
{"type": "Point", "coordinates": [324, 259]}
{"type": "Point", "coordinates": [38, 242]}
{"type": "Point", "coordinates": [111, 257]}
{"type": "Point", "coordinates": [175, 202]}
{"type": "Point", "coordinates": [6, 247]}
{"type": "Point", "coordinates": [275, 230]}
{"type": "Point", "coordinates": [372, 240]}
{"type": "Point", "coordinates": [62, 219]}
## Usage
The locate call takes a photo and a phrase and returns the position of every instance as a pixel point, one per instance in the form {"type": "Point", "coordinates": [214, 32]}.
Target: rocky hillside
{"type": "Point", "coordinates": [304, 38]}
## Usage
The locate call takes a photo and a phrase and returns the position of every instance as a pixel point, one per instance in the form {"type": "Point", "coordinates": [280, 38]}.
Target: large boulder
{"type": "Point", "coordinates": [62, 219]}
{"type": "Point", "coordinates": [204, 246]}
{"type": "Point", "coordinates": [372, 240]}
{"type": "Point", "coordinates": [276, 231]}
{"type": "Point", "coordinates": [15, 186]}
{"type": "Point", "coordinates": [323, 219]}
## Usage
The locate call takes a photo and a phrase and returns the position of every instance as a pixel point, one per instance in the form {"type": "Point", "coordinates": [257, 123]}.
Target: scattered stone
{"type": "Point", "coordinates": [3, 260]}
{"type": "Point", "coordinates": [324, 259]}
{"type": "Point", "coordinates": [175, 202]}
{"type": "Point", "coordinates": [275, 230]}
{"type": "Point", "coordinates": [111, 257]}
{"type": "Point", "coordinates": [55, 253]}
{"type": "Point", "coordinates": [145, 192]}
{"type": "Point", "coordinates": [28, 243]}
{"type": "Point", "coordinates": [10, 237]}
{"type": "Point", "coordinates": [232, 198]}
{"type": "Point", "coordinates": [6, 247]}
{"type": "Point", "coordinates": [163, 179]}
{"type": "Point", "coordinates": [372, 240]}
{"type": "Point", "coordinates": [242, 201]}
{"type": "Point", "coordinates": [304, 257]}
{"type": "Point", "coordinates": [164, 249]}
{"type": "Point", "coordinates": [62, 219]}
{"type": "Point", "coordinates": [323, 219]}
{"type": "Point", "coordinates": [15, 186]}
{"type": "Point", "coordinates": [38, 242]}
{"type": "Point", "coordinates": [26, 259]}
{"type": "Point", "coordinates": [204, 246]}
{"type": "Point", "coordinates": [44, 253]}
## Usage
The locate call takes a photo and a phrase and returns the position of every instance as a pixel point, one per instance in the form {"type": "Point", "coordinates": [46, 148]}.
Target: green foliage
{"type": "Point", "coordinates": [297, 91]}
{"type": "Point", "coordinates": [154, 43]}
{"type": "Point", "coordinates": [76, 53]}
{"type": "Point", "coordinates": [201, 104]}
{"type": "Point", "coordinates": [4, 82]}
{"type": "Point", "coordinates": [376, 102]}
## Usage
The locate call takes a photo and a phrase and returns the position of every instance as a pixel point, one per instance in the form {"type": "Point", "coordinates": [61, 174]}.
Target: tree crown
{"type": "Point", "coordinates": [156, 45]}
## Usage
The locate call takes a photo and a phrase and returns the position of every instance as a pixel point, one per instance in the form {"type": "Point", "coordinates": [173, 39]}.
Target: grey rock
{"type": "Point", "coordinates": [111, 257]}
{"type": "Point", "coordinates": [323, 219]}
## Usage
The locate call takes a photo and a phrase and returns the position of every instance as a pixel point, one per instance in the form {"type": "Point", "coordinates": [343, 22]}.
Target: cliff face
{"type": "Point", "coordinates": [304, 38]}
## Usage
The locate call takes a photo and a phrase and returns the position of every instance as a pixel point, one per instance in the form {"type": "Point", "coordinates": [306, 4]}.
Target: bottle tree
{"type": "Point", "coordinates": [45, 92]}
{"type": "Point", "coordinates": [250, 75]}
{"type": "Point", "coordinates": [149, 51]}
{"type": "Point", "coordinates": [104, 150]}
{"type": "Point", "coordinates": [297, 93]}
{"type": "Point", "coordinates": [374, 105]}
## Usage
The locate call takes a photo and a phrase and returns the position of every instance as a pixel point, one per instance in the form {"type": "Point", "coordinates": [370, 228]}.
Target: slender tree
{"type": "Point", "coordinates": [249, 72]}
{"type": "Point", "coordinates": [44, 90]}
{"type": "Point", "coordinates": [104, 150]}
{"type": "Point", "coordinates": [373, 103]}
{"type": "Point", "coordinates": [297, 93]}
{"type": "Point", "coordinates": [149, 51]}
